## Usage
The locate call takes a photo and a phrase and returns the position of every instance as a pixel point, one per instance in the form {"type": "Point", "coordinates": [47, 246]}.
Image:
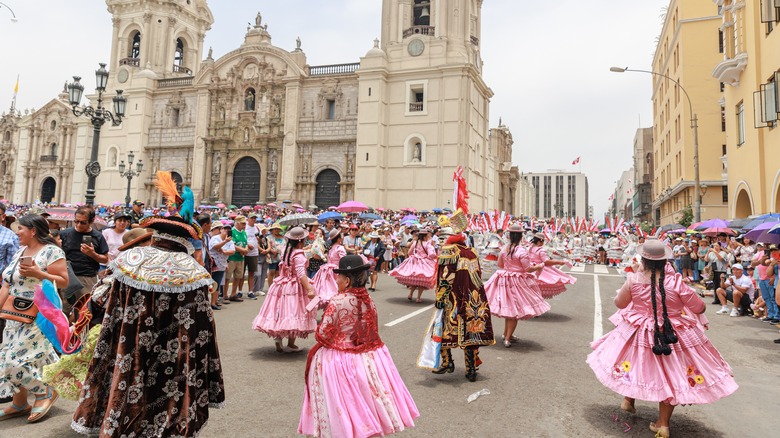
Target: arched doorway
{"type": "Point", "coordinates": [742, 207]}
{"type": "Point", "coordinates": [328, 192]}
{"type": "Point", "coordinates": [246, 182]}
{"type": "Point", "coordinates": [48, 189]}
{"type": "Point", "coordinates": [178, 180]}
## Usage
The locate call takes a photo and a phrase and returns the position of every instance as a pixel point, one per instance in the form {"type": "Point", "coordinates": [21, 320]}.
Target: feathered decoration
{"type": "Point", "coordinates": [188, 204]}
{"type": "Point", "coordinates": [167, 186]}
{"type": "Point", "coordinates": [51, 321]}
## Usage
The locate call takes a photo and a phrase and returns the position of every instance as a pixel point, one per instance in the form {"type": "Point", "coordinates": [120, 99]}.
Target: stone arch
{"type": "Point", "coordinates": [126, 52]}
{"type": "Point", "coordinates": [246, 181]}
{"type": "Point", "coordinates": [743, 201]}
{"type": "Point", "coordinates": [48, 189]}
{"type": "Point", "coordinates": [112, 157]}
{"type": "Point", "coordinates": [328, 189]}
{"type": "Point", "coordinates": [415, 149]}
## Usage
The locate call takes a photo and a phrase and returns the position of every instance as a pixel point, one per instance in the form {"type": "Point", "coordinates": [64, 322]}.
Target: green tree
{"type": "Point", "coordinates": [687, 216]}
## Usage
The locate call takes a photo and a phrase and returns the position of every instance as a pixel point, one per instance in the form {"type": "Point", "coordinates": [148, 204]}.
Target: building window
{"type": "Point", "coordinates": [7, 136]}
{"type": "Point", "coordinates": [422, 13]}
{"type": "Point", "coordinates": [178, 56]}
{"type": "Point", "coordinates": [416, 98]}
{"type": "Point", "coordinates": [722, 86]}
{"type": "Point", "coordinates": [174, 117]}
{"type": "Point", "coordinates": [535, 182]}
{"type": "Point", "coordinates": [331, 109]}
{"type": "Point", "coordinates": [547, 196]}
{"type": "Point", "coordinates": [54, 149]}
{"type": "Point", "coordinates": [724, 149]}
{"type": "Point", "coordinates": [720, 41]}
{"type": "Point", "coordinates": [725, 194]}
{"type": "Point", "coordinates": [135, 47]}
{"type": "Point", "coordinates": [722, 119]}
{"type": "Point", "coordinates": [740, 124]}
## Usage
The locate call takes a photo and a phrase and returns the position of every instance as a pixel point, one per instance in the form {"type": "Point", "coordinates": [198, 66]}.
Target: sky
{"type": "Point", "coordinates": [546, 62]}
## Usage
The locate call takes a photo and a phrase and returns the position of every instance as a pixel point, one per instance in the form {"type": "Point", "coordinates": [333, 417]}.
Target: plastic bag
{"type": "Point", "coordinates": [430, 352]}
{"type": "Point", "coordinates": [474, 396]}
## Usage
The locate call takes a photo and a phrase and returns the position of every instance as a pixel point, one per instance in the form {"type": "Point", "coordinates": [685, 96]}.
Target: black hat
{"type": "Point", "coordinates": [138, 202]}
{"type": "Point", "coordinates": [351, 263]}
{"type": "Point", "coordinates": [122, 213]}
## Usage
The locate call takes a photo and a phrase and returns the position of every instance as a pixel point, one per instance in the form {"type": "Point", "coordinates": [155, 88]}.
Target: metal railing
{"type": "Point", "coordinates": [48, 158]}
{"type": "Point", "coordinates": [174, 82]}
{"type": "Point", "coordinates": [415, 107]}
{"type": "Point", "coordinates": [333, 69]}
{"type": "Point", "coordinates": [419, 30]}
{"type": "Point", "coordinates": [132, 62]}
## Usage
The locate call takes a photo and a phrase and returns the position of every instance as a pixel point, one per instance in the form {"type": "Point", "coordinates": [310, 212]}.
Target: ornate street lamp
{"type": "Point", "coordinates": [98, 116]}
{"type": "Point", "coordinates": [130, 174]}
{"type": "Point", "coordinates": [13, 16]}
{"type": "Point", "coordinates": [697, 195]}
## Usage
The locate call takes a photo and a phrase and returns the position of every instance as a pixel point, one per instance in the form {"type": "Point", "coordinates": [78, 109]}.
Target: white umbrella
{"type": "Point", "coordinates": [297, 219]}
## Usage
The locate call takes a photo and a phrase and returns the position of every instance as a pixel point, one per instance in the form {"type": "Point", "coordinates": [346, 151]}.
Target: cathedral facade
{"type": "Point", "coordinates": [259, 124]}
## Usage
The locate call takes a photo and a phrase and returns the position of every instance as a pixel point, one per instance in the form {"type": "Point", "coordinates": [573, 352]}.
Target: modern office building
{"type": "Point", "coordinates": [559, 194]}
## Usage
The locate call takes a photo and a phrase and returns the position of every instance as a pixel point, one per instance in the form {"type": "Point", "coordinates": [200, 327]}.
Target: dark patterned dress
{"type": "Point", "coordinates": [156, 368]}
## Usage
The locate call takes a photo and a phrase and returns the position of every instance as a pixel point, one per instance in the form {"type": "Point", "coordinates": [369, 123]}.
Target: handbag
{"type": "Point", "coordinates": [19, 309]}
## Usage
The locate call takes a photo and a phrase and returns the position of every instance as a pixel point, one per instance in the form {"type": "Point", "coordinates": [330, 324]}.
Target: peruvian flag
{"type": "Point", "coordinates": [577, 161]}
{"type": "Point", "coordinates": [460, 193]}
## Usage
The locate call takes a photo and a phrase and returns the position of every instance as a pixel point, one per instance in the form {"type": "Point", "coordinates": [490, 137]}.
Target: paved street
{"type": "Point", "coordinates": [541, 387]}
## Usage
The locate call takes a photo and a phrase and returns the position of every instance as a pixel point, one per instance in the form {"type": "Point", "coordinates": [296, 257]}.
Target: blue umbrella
{"type": "Point", "coordinates": [369, 216]}
{"type": "Point", "coordinates": [330, 215]}
{"type": "Point", "coordinates": [752, 224]}
{"type": "Point", "coordinates": [760, 229]}
{"type": "Point", "coordinates": [437, 210]}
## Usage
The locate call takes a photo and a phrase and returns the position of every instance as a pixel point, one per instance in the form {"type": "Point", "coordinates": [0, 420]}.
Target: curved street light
{"type": "Point", "coordinates": [13, 16]}
{"type": "Point", "coordinates": [695, 126]}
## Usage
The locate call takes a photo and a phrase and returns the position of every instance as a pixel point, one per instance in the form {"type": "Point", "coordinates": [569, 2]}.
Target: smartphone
{"type": "Point", "coordinates": [26, 260]}
{"type": "Point", "coordinates": [86, 240]}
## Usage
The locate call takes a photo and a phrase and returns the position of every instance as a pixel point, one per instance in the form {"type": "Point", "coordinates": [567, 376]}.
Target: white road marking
{"type": "Point", "coordinates": [600, 269]}
{"type": "Point", "coordinates": [577, 269]}
{"type": "Point", "coordinates": [411, 315]}
{"type": "Point", "coordinates": [598, 330]}
{"type": "Point", "coordinates": [601, 275]}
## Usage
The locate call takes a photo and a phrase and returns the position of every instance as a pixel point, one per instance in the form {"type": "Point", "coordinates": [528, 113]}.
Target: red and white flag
{"type": "Point", "coordinates": [577, 161]}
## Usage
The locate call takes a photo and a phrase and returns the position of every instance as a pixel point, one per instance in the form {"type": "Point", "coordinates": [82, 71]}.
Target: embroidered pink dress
{"type": "Point", "coordinates": [324, 281]}
{"type": "Point", "coordinates": [353, 389]}
{"type": "Point", "coordinates": [623, 360]}
{"type": "Point", "coordinates": [419, 269]}
{"type": "Point", "coordinates": [283, 313]}
{"type": "Point", "coordinates": [512, 292]}
{"type": "Point", "coordinates": [552, 281]}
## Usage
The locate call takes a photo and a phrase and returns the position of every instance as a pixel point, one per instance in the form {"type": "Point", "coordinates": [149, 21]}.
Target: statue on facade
{"type": "Point", "coordinates": [222, 113]}
{"type": "Point", "coordinates": [272, 190]}
{"type": "Point", "coordinates": [246, 135]}
{"type": "Point", "coordinates": [417, 153]}
{"type": "Point", "coordinates": [258, 19]}
{"type": "Point", "coordinates": [211, 52]}
{"type": "Point", "coordinates": [249, 101]}
{"type": "Point", "coordinates": [217, 163]}
{"type": "Point", "coordinates": [273, 163]}
{"type": "Point", "coordinates": [350, 165]}
{"type": "Point", "coordinates": [305, 167]}
{"type": "Point", "coordinates": [215, 190]}
{"type": "Point", "coordinates": [298, 43]}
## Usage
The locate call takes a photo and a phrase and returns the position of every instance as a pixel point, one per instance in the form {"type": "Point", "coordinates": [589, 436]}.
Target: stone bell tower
{"type": "Point", "coordinates": [424, 108]}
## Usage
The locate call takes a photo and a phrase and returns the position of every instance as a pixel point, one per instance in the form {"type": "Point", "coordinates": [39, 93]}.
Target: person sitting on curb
{"type": "Point", "coordinates": [739, 290]}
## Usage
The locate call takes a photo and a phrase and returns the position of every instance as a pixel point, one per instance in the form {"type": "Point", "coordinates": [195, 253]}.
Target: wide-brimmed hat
{"type": "Point", "coordinates": [275, 226]}
{"type": "Point", "coordinates": [313, 224]}
{"type": "Point", "coordinates": [134, 237]}
{"type": "Point", "coordinates": [351, 263]}
{"type": "Point", "coordinates": [296, 233]}
{"type": "Point", "coordinates": [333, 233]}
{"type": "Point", "coordinates": [515, 228]}
{"type": "Point", "coordinates": [539, 236]}
{"type": "Point", "coordinates": [654, 249]}
{"type": "Point", "coordinates": [373, 235]}
{"type": "Point", "coordinates": [240, 219]}
{"type": "Point", "coordinates": [424, 231]}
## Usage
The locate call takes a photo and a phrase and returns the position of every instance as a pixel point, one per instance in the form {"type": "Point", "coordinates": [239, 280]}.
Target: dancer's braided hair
{"type": "Point", "coordinates": [663, 335]}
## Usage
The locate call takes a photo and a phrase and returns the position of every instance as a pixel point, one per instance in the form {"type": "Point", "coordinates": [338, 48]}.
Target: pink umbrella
{"type": "Point", "coordinates": [297, 206]}
{"type": "Point", "coordinates": [221, 205]}
{"type": "Point", "coordinates": [409, 209]}
{"type": "Point", "coordinates": [380, 209]}
{"type": "Point", "coordinates": [714, 231]}
{"type": "Point", "coordinates": [116, 204]}
{"type": "Point", "coordinates": [352, 207]}
{"type": "Point", "coordinates": [246, 207]}
{"type": "Point", "coordinates": [258, 207]}
{"type": "Point", "coordinates": [272, 205]}
{"type": "Point", "coordinates": [332, 208]}
{"type": "Point", "coordinates": [300, 210]}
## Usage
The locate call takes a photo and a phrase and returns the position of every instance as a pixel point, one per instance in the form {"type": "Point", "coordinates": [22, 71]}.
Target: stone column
{"type": "Point", "coordinates": [146, 41]}
{"type": "Point", "coordinates": [286, 188]}
{"type": "Point", "coordinates": [223, 178]}
{"type": "Point", "coordinates": [115, 55]}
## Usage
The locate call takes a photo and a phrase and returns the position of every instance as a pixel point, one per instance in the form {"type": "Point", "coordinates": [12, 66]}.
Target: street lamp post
{"type": "Point", "coordinates": [130, 174]}
{"type": "Point", "coordinates": [695, 125]}
{"type": "Point", "coordinates": [13, 16]}
{"type": "Point", "coordinates": [98, 116]}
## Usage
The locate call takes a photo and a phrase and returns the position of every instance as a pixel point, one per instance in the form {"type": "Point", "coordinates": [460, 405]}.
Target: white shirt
{"type": "Point", "coordinates": [743, 281]}
{"type": "Point", "coordinates": [252, 240]}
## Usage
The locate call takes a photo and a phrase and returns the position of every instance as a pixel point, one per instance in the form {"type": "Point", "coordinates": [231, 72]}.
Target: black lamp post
{"type": "Point", "coordinates": [99, 116]}
{"type": "Point", "coordinates": [130, 174]}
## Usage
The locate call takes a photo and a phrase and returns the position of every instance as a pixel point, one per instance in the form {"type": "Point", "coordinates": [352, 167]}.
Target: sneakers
{"type": "Point", "coordinates": [722, 311]}
{"type": "Point", "coordinates": [251, 296]}
{"type": "Point", "coordinates": [261, 293]}
{"type": "Point", "coordinates": [734, 312]}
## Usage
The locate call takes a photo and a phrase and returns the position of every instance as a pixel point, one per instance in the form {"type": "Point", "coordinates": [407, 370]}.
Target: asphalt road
{"type": "Point", "coordinates": [539, 387]}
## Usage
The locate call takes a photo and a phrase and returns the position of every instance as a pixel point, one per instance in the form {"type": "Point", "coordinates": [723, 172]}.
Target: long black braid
{"type": "Point", "coordinates": [514, 239]}
{"type": "Point", "coordinates": [661, 339]}
{"type": "Point", "coordinates": [288, 250]}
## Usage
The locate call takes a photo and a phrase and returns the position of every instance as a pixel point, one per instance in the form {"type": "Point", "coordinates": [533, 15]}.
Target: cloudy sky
{"type": "Point", "coordinates": [547, 63]}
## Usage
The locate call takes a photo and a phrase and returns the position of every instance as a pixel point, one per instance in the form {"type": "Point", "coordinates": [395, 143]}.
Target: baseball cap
{"type": "Point", "coordinates": [737, 266]}
{"type": "Point", "coordinates": [138, 202]}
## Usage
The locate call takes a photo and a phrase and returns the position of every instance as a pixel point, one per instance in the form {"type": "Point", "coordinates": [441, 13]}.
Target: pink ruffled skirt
{"type": "Point", "coordinates": [416, 272]}
{"type": "Point", "coordinates": [324, 283]}
{"type": "Point", "coordinates": [355, 395]}
{"type": "Point", "coordinates": [695, 372]}
{"type": "Point", "coordinates": [553, 281]}
{"type": "Point", "coordinates": [514, 295]}
{"type": "Point", "coordinates": [283, 314]}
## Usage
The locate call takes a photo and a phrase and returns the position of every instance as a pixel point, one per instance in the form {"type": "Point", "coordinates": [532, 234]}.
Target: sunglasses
{"type": "Point", "coordinates": [81, 222]}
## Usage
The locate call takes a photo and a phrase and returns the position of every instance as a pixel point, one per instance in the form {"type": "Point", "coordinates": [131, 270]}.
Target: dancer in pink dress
{"type": "Point", "coordinates": [284, 314]}
{"type": "Point", "coordinates": [418, 271]}
{"type": "Point", "coordinates": [353, 388]}
{"type": "Point", "coordinates": [512, 291]}
{"type": "Point", "coordinates": [658, 352]}
{"type": "Point", "coordinates": [324, 281]}
{"type": "Point", "coordinates": [552, 281]}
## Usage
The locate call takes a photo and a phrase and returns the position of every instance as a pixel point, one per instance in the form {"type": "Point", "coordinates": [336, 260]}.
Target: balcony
{"type": "Point", "coordinates": [174, 82]}
{"type": "Point", "coordinates": [416, 107]}
{"type": "Point", "coordinates": [48, 158]}
{"type": "Point", "coordinates": [729, 70]}
{"type": "Point", "coordinates": [333, 69]}
{"type": "Point", "coordinates": [181, 69]}
{"type": "Point", "coordinates": [132, 62]}
{"type": "Point", "coordinates": [420, 30]}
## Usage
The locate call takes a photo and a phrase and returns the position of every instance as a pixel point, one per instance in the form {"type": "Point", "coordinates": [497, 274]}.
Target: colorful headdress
{"type": "Point", "coordinates": [178, 227]}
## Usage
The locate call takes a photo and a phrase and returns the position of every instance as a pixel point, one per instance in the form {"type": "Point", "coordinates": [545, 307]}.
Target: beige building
{"type": "Point", "coordinates": [643, 175]}
{"type": "Point", "coordinates": [260, 124]}
{"type": "Point", "coordinates": [750, 69]}
{"type": "Point", "coordinates": [526, 196]}
{"type": "Point", "coordinates": [687, 49]}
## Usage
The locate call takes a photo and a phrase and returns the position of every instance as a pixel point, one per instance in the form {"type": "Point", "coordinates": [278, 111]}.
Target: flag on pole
{"type": "Point", "coordinates": [16, 87]}
{"type": "Point", "coordinates": [460, 192]}
{"type": "Point", "coordinates": [575, 162]}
